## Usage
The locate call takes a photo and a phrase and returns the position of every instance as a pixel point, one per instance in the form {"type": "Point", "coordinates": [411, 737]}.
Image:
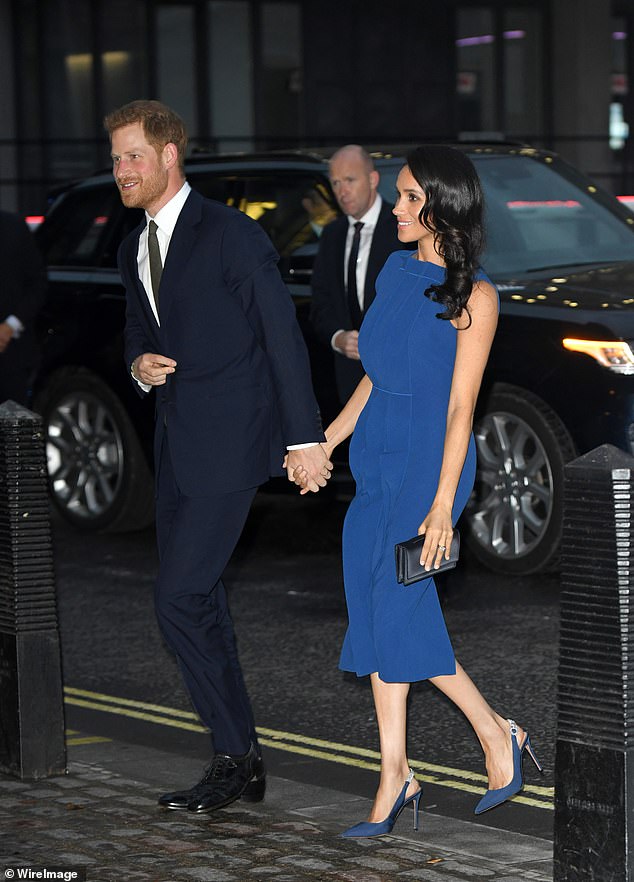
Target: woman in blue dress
{"type": "Point", "coordinates": [424, 345]}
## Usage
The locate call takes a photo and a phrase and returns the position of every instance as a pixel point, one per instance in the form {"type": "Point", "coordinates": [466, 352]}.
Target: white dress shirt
{"type": "Point", "coordinates": [369, 221]}
{"type": "Point", "coordinates": [165, 220]}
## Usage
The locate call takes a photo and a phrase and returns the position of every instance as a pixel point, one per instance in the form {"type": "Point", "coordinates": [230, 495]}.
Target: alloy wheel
{"type": "Point", "coordinates": [85, 458]}
{"type": "Point", "coordinates": [513, 499]}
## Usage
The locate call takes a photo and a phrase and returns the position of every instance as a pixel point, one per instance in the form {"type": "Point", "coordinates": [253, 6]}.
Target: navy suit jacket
{"type": "Point", "coordinates": [22, 292]}
{"type": "Point", "coordinates": [241, 391]}
{"type": "Point", "coordinates": [329, 309]}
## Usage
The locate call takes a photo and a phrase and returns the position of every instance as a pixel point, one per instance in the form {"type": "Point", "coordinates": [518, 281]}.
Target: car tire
{"type": "Point", "coordinates": [98, 475]}
{"type": "Point", "coordinates": [515, 515]}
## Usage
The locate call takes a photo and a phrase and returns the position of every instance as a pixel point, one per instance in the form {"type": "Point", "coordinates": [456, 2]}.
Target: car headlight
{"type": "Point", "coordinates": [616, 355]}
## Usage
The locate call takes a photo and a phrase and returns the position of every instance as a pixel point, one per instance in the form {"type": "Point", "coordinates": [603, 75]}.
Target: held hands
{"type": "Point", "coordinates": [348, 343]}
{"type": "Point", "coordinates": [438, 531]}
{"type": "Point", "coordinates": [6, 333]}
{"type": "Point", "coordinates": [152, 369]}
{"type": "Point", "coordinates": [309, 467]}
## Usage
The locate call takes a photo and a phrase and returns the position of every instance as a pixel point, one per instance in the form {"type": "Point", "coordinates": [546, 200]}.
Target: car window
{"type": "Point", "coordinates": [292, 209]}
{"type": "Point", "coordinates": [387, 180]}
{"type": "Point", "coordinates": [78, 225]}
{"type": "Point", "coordinates": [213, 186]}
{"type": "Point", "coordinates": [124, 220]}
{"type": "Point", "coordinates": [539, 218]}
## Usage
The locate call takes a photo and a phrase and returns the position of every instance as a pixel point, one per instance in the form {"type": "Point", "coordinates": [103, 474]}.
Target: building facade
{"type": "Point", "coordinates": [250, 74]}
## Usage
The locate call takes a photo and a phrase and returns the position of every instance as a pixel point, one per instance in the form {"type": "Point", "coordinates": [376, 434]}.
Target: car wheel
{"type": "Point", "coordinates": [515, 513]}
{"type": "Point", "coordinates": [98, 475]}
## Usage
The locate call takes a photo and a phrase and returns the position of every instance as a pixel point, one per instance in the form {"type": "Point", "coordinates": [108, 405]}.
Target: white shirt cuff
{"type": "Point", "coordinates": [144, 386]}
{"type": "Point", "coordinates": [332, 341]}
{"type": "Point", "coordinates": [14, 322]}
{"type": "Point", "coordinates": [303, 446]}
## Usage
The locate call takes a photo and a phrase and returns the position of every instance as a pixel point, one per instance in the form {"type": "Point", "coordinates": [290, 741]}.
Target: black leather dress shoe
{"type": "Point", "coordinates": [254, 791]}
{"type": "Point", "coordinates": [209, 792]}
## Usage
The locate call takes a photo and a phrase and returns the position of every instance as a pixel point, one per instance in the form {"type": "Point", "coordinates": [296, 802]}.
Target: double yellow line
{"type": "Point", "coordinates": [318, 748]}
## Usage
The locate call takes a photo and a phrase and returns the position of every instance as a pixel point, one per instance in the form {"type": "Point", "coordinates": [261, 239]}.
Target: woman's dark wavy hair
{"type": "Point", "coordinates": [453, 212]}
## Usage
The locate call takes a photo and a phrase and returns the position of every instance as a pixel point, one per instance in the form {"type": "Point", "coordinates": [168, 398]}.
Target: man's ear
{"type": "Point", "coordinates": [374, 179]}
{"type": "Point", "coordinates": [170, 155]}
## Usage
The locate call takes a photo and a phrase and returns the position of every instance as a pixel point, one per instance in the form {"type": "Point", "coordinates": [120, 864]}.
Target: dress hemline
{"type": "Point", "coordinates": [394, 679]}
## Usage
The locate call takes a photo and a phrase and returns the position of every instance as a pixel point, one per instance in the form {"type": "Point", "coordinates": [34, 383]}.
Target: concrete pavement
{"type": "Point", "coordinates": [102, 821]}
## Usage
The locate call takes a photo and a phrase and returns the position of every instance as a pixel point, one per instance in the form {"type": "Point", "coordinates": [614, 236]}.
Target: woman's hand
{"type": "Point", "coordinates": [302, 479]}
{"type": "Point", "coordinates": [438, 532]}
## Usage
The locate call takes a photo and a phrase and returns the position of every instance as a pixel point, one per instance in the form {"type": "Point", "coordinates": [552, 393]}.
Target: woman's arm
{"type": "Point", "coordinates": [342, 426]}
{"type": "Point", "coordinates": [472, 351]}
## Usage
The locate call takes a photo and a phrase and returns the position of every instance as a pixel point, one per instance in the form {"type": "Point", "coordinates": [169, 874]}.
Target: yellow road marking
{"type": "Point", "coordinates": [129, 702]}
{"type": "Point", "coordinates": [86, 739]}
{"type": "Point", "coordinates": [318, 748]}
{"type": "Point", "coordinates": [111, 708]}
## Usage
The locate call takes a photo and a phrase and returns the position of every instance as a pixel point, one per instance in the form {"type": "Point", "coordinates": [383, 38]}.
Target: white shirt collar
{"type": "Point", "coordinates": [371, 216]}
{"type": "Point", "coordinates": [166, 218]}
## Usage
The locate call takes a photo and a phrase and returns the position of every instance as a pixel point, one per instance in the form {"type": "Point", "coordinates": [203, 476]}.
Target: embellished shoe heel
{"type": "Point", "coordinates": [367, 828]}
{"type": "Point", "coordinates": [493, 798]}
{"type": "Point", "coordinates": [528, 747]}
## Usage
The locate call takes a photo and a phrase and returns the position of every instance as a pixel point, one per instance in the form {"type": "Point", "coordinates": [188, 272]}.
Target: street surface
{"type": "Point", "coordinates": [316, 723]}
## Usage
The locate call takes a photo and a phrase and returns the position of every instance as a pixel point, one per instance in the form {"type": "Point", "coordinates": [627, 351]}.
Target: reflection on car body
{"type": "Point", "coordinates": [560, 251]}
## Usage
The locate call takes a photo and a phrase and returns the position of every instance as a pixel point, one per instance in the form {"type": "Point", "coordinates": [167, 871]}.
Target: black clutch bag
{"type": "Point", "coordinates": [408, 565]}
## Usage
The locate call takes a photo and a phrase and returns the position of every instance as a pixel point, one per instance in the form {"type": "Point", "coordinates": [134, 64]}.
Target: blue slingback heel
{"type": "Point", "coordinates": [493, 798]}
{"type": "Point", "coordinates": [366, 828]}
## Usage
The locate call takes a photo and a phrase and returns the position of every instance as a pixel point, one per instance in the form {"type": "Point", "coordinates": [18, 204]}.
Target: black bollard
{"type": "Point", "coordinates": [31, 698]}
{"type": "Point", "coordinates": [594, 771]}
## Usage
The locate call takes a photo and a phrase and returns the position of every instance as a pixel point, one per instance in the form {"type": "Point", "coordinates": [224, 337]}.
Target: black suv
{"type": "Point", "coordinates": [558, 381]}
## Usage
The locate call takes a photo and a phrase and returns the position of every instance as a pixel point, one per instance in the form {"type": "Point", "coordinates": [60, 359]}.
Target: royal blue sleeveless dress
{"type": "Point", "coordinates": [395, 457]}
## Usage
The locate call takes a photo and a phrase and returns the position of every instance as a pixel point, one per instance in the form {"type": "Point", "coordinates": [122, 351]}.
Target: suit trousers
{"type": "Point", "coordinates": [17, 366]}
{"type": "Point", "coordinates": [196, 538]}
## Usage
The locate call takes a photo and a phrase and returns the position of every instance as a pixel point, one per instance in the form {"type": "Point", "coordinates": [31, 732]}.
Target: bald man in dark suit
{"type": "Point", "coordinates": [352, 252]}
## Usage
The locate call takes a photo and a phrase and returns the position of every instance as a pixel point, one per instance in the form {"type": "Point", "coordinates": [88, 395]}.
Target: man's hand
{"type": "Point", "coordinates": [6, 333]}
{"type": "Point", "coordinates": [152, 369]}
{"type": "Point", "coordinates": [308, 467]}
{"type": "Point", "coordinates": [348, 343]}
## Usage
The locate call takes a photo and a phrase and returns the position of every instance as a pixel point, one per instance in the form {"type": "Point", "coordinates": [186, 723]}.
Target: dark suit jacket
{"type": "Point", "coordinates": [241, 391]}
{"type": "Point", "coordinates": [22, 290]}
{"type": "Point", "coordinates": [329, 310]}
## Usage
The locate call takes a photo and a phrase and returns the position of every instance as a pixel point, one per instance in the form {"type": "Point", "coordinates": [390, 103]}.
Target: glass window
{"type": "Point", "coordinates": [230, 97]}
{"type": "Point", "coordinates": [124, 220]}
{"type": "Point", "coordinates": [539, 218]}
{"type": "Point", "coordinates": [619, 129]}
{"type": "Point", "coordinates": [475, 58]}
{"type": "Point", "coordinates": [280, 87]}
{"type": "Point", "coordinates": [523, 80]}
{"type": "Point", "coordinates": [175, 61]}
{"type": "Point", "coordinates": [292, 209]}
{"type": "Point", "coordinates": [77, 227]}
{"type": "Point", "coordinates": [214, 186]}
{"type": "Point", "coordinates": [69, 85]}
{"type": "Point", "coordinates": [123, 60]}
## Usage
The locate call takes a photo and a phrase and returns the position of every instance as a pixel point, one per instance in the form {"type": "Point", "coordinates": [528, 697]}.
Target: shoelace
{"type": "Point", "coordinates": [218, 769]}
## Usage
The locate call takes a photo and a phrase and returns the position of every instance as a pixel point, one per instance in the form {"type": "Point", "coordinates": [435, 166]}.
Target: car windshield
{"type": "Point", "coordinates": [538, 219]}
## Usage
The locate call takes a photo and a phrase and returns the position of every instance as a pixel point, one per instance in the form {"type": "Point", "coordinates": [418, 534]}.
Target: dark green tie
{"type": "Point", "coordinates": [156, 266]}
